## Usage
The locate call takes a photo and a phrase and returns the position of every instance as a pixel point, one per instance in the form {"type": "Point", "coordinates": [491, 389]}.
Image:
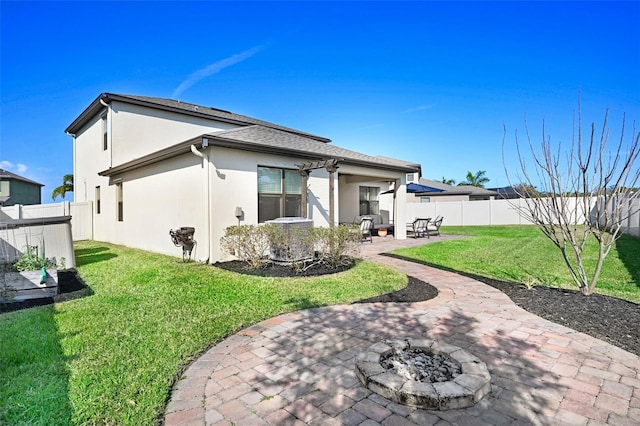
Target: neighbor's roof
{"type": "Point", "coordinates": [178, 107]}
{"type": "Point", "coordinates": [264, 139]}
{"type": "Point", "coordinates": [444, 189]}
{"type": "Point", "coordinates": [5, 174]}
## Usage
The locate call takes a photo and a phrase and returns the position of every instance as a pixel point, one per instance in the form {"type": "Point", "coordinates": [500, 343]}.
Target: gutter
{"type": "Point", "coordinates": [207, 189]}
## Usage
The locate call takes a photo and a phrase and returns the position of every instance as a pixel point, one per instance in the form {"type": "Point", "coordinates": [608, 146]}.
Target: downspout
{"type": "Point", "coordinates": [207, 205]}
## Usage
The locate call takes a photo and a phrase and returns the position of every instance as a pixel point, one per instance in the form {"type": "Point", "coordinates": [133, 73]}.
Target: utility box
{"type": "Point", "coordinates": [294, 247]}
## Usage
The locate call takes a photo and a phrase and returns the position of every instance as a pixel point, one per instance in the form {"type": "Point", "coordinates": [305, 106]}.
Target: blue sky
{"type": "Point", "coordinates": [429, 82]}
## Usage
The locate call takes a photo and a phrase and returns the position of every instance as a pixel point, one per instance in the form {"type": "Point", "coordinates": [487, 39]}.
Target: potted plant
{"type": "Point", "coordinates": [382, 232]}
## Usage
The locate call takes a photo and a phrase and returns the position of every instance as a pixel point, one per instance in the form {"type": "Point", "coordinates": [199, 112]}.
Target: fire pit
{"type": "Point", "coordinates": [424, 373]}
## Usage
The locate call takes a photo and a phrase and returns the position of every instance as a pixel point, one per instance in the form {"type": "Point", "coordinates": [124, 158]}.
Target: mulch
{"type": "Point", "coordinates": [613, 320]}
{"type": "Point", "coordinates": [70, 286]}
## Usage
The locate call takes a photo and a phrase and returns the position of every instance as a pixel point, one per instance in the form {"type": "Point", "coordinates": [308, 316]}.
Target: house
{"type": "Point", "coordinates": [153, 164]}
{"type": "Point", "coordinates": [16, 189]}
{"type": "Point", "coordinates": [506, 192]}
{"type": "Point", "coordinates": [438, 191]}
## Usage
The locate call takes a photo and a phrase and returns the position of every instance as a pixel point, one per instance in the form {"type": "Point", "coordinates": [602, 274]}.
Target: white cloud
{"type": "Point", "coordinates": [418, 108]}
{"type": "Point", "coordinates": [212, 69]}
{"type": "Point", "coordinates": [16, 168]}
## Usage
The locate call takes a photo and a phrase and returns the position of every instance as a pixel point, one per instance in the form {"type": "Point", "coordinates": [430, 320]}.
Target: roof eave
{"type": "Point", "coordinates": [185, 147]}
{"type": "Point", "coordinates": [96, 106]}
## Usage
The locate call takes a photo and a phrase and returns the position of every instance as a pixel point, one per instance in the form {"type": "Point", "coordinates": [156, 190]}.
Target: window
{"type": "Point", "coordinates": [105, 131]}
{"type": "Point", "coordinates": [279, 193]}
{"type": "Point", "coordinates": [425, 199]}
{"type": "Point", "coordinates": [409, 177]}
{"type": "Point", "coordinates": [97, 200]}
{"type": "Point", "coordinates": [120, 211]}
{"type": "Point", "coordinates": [369, 203]}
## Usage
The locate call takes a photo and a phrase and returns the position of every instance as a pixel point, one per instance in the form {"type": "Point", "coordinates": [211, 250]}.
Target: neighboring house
{"type": "Point", "coordinates": [438, 191]}
{"type": "Point", "coordinates": [153, 164]}
{"type": "Point", "coordinates": [16, 189]}
{"type": "Point", "coordinates": [506, 192]}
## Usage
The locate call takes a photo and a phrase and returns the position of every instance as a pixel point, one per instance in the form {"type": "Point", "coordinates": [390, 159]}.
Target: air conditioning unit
{"type": "Point", "coordinates": [297, 249]}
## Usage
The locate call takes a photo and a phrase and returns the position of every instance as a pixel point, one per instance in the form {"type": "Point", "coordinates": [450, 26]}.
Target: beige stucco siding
{"type": "Point", "coordinates": [235, 184]}
{"type": "Point", "coordinates": [156, 198]}
{"type": "Point", "coordinates": [89, 157]}
{"type": "Point", "coordinates": [137, 131]}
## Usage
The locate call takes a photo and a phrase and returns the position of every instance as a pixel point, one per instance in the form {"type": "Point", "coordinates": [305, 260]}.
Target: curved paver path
{"type": "Point", "coordinates": [298, 368]}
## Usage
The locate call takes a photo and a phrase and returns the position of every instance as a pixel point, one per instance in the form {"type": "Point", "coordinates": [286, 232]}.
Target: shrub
{"type": "Point", "coordinates": [337, 246]}
{"type": "Point", "coordinates": [334, 247]}
{"type": "Point", "coordinates": [248, 243]}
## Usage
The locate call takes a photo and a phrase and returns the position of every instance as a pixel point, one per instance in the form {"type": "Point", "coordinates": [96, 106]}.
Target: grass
{"type": "Point", "coordinates": [523, 254]}
{"type": "Point", "coordinates": [111, 358]}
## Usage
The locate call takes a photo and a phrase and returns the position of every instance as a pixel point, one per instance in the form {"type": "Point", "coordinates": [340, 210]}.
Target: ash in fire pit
{"type": "Point", "coordinates": [420, 365]}
{"type": "Point", "coordinates": [424, 373]}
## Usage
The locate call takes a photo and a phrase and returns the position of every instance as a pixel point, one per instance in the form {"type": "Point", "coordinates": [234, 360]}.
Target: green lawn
{"type": "Point", "coordinates": [522, 253]}
{"type": "Point", "coordinates": [110, 358]}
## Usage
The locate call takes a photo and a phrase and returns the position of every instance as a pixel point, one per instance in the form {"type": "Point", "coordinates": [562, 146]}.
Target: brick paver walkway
{"type": "Point", "coordinates": [298, 368]}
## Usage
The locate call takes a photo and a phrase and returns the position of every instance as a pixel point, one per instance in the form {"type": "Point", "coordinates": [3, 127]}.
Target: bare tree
{"type": "Point", "coordinates": [588, 193]}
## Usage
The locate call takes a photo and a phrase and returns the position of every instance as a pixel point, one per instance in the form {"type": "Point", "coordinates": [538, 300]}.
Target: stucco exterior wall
{"type": "Point", "coordinates": [137, 131]}
{"type": "Point", "coordinates": [235, 184]}
{"type": "Point", "coordinates": [156, 198]}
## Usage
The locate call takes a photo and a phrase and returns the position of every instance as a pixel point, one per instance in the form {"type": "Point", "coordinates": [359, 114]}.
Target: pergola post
{"type": "Point", "coordinates": [305, 182]}
{"type": "Point", "coordinates": [332, 215]}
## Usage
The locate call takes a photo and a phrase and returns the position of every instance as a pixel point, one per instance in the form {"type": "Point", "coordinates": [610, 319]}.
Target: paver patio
{"type": "Point", "coordinates": [298, 368]}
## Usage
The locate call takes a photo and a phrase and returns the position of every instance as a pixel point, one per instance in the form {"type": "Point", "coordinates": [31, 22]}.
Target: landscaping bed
{"type": "Point", "coordinates": [70, 286]}
{"type": "Point", "coordinates": [606, 318]}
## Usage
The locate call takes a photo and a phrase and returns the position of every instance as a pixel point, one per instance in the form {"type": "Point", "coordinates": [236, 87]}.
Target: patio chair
{"type": "Point", "coordinates": [418, 227]}
{"type": "Point", "coordinates": [434, 226]}
{"type": "Point", "coordinates": [366, 225]}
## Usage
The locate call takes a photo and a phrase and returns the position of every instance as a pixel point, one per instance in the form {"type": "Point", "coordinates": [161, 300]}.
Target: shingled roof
{"type": "Point", "coordinates": [258, 138]}
{"type": "Point", "coordinates": [7, 175]}
{"type": "Point", "coordinates": [178, 107]}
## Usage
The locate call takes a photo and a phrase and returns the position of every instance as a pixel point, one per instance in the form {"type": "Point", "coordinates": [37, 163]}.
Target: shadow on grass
{"type": "Point", "coordinates": [93, 255]}
{"type": "Point", "coordinates": [628, 248]}
{"type": "Point", "coordinates": [33, 370]}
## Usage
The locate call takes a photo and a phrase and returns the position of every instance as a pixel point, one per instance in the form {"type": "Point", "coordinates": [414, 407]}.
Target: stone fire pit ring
{"type": "Point", "coordinates": [463, 391]}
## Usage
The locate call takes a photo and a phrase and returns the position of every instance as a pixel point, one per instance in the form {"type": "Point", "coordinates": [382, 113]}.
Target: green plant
{"type": "Point", "coordinates": [333, 247]}
{"type": "Point", "coordinates": [530, 282]}
{"type": "Point", "coordinates": [248, 243]}
{"type": "Point", "coordinates": [337, 246]}
{"type": "Point", "coordinates": [30, 260]}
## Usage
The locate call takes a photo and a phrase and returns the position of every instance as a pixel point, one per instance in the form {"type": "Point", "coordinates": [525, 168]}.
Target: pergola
{"type": "Point", "coordinates": [330, 166]}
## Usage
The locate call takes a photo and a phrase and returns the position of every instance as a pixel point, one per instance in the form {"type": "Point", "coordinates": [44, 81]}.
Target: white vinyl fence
{"type": "Point", "coordinates": [81, 215]}
{"type": "Point", "coordinates": [466, 213]}
{"type": "Point", "coordinates": [501, 212]}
